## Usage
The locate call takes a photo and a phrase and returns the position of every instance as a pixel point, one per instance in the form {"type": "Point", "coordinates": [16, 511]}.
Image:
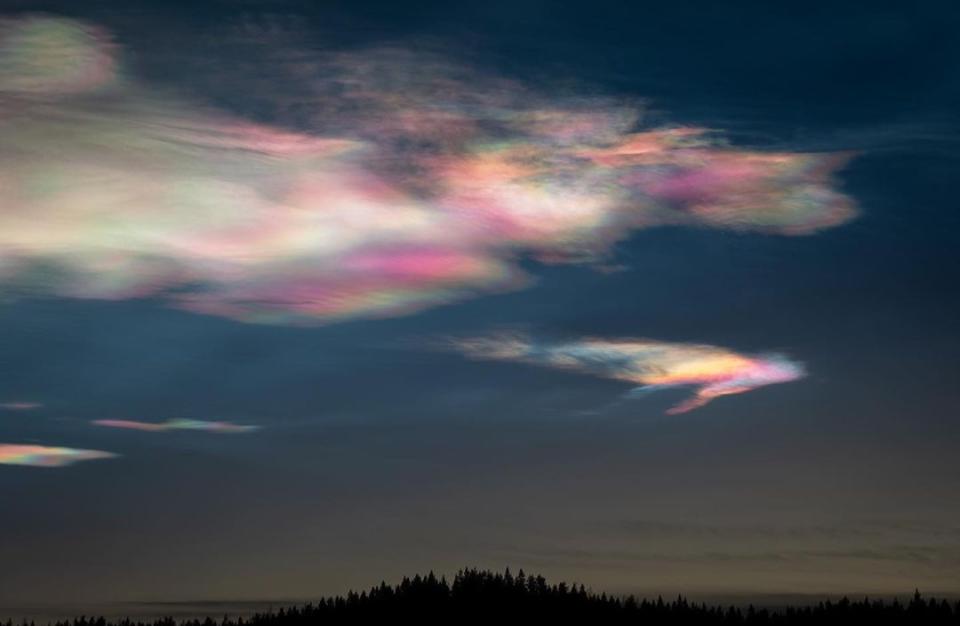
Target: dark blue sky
{"type": "Point", "coordinates": [380, 455]}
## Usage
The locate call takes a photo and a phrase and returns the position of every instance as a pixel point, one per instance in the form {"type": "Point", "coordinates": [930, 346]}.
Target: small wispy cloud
{"type": "Point", "coordinates": [46, 456]}
{"type": "Point", "coordinates": [652, 365]}
{"type": "Point", "coordinates": [179, 424]}
{"type": "Point", "coordinates": [20, 406]}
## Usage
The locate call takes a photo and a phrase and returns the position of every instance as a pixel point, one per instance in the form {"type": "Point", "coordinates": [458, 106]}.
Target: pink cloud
{"type": "Point", "coordinates": [421, 184]}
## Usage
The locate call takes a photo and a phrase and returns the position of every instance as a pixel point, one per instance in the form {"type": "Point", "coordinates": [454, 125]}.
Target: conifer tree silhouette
{"type": "Point", "coordinates": [478, 596]}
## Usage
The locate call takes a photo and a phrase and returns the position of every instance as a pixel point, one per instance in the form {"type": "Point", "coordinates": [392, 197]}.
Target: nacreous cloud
{"type": "Point", "coordinates": [179, 424]}
{"type": "Point", "coordinates": [712, 371]}
{"type": "Point", "coordinates": [45, 456]}
{"type": "Point", "coordinates": [419, 184]}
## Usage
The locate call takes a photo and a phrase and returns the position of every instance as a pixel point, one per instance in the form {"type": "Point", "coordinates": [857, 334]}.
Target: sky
{"type": "Point", "coordinates": [297, 297]}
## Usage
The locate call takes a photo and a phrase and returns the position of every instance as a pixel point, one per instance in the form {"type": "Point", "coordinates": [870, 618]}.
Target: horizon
{"type": "Point", "coordinates": [234, 608]}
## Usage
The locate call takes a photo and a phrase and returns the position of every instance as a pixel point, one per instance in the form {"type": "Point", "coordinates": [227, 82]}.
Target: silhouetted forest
{"type": "Point", "coordinates": [475, 596]}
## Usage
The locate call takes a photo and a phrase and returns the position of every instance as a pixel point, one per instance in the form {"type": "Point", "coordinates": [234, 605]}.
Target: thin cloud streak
{"type": "Point", "coordinates": [20, 406]}
{"type": "Point", "coordinates": [179, 424]}
{"type": "Point", "coordinates": [46, 456]}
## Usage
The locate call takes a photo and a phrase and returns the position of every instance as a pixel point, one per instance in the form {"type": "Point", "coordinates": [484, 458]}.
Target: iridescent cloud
{"type": "Point", "coordinates": [419, 183]}
{"type": "Point", "coordinates": [711, 371]}
{"type": "Point", "coordinates": [45, 456]}
{"type": "Point", "coordinates": [179, 424]}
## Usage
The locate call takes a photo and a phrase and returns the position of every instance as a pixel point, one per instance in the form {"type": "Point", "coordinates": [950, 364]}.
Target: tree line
{"type": "Point", "coordinates": [475, 596]}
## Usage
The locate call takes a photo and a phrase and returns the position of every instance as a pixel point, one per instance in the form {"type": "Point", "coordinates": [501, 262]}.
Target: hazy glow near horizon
{"type": "Point", "coordinates": [408, 195]}
{"type": "Point", "coordinates": [711, 371]}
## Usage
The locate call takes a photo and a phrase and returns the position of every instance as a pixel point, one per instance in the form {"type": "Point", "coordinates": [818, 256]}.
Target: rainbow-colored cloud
{"type": "Point", "coordinates": [419, 184]}
{"type": "Point", "coordinates": [46, 456]}
{"type": "Point", "coordinates": [179, 424]}
{"type": "Point", "coordinates": [711, 371]}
